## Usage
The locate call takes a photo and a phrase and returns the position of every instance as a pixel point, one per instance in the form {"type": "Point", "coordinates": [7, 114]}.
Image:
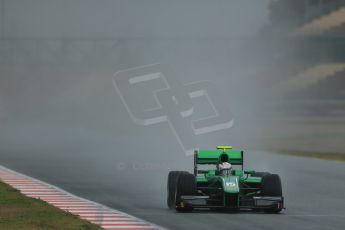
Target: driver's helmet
{"type": "Point", "coordinates": [225, 169]}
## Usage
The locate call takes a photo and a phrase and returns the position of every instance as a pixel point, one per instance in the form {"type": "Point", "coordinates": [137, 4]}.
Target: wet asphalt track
{"type": "Point", "coordinates": [313, 189]}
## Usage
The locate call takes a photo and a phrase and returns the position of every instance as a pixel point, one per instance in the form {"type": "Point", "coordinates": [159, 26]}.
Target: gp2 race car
{"type": "Point", "coordinates": [210, 188]}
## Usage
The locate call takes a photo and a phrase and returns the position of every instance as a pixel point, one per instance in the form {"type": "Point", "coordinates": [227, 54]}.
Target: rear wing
{"type": "Point", "coordinates": [212, 157]}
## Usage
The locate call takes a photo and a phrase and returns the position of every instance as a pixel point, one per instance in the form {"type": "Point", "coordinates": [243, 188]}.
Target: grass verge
{"type": "Point", "coordinates": [20, 212]}
{"type": "Point", "coordinates": [322, 156]}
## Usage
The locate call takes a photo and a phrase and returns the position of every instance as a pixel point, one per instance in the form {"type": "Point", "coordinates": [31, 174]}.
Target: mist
{"type": "Point", "coordinates": [58, 104]}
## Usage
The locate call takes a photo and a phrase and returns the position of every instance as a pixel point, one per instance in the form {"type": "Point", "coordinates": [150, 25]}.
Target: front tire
{"type": "Point", "coordinates": [186, 186]}
{"type": "Point", "coordinates": [271, 186]}
{"type": "Point", "coordinates": [171, 187]}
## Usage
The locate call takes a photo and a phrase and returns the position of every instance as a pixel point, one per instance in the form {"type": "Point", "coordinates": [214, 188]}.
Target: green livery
{"type": "Point", "coordinates": [230, 188]}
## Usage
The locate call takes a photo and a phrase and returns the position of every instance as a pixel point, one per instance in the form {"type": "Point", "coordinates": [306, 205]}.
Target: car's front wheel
{"type": "Point", "coordinates": [171, 187]}
{"type": "Point", "coordinates": [186, 186]}
{"type": "Point", "coordinates": [271, 186]}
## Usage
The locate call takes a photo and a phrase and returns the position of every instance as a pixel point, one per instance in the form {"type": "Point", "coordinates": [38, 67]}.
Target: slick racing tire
{"type": "Point", "coordinates": [186, 186]}
{"type": "Point", "coordinates": [260, 174]}
{"type": "Point", "coordinates": [171, 186]}
{"type": "Point", "coordinates": [271, 186]}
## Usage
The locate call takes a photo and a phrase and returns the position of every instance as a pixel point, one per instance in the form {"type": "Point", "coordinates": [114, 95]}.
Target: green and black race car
{"type": "Point", "coordinates": [238, 189]}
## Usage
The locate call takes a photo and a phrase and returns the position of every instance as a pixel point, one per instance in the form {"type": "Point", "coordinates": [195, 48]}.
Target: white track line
{"type": "Point", "coordinates": [94, 212]}
{"type": "Point", "coordinates": [109, 218]}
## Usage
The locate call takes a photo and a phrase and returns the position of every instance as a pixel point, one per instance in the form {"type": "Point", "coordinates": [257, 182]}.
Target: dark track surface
{"type": "Point", "coordinates": [313, 189]}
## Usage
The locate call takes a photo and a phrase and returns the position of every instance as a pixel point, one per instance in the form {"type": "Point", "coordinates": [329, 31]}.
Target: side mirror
{"type": "Point", "coordinates": [250, 172]}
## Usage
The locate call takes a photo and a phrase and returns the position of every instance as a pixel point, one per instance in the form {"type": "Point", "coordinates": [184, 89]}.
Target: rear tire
{"type": "Point", "coordinates": [171, 187]}
{"type": "Point", "coordinates": [271, 186]}
{"type": "Point", "coordinates": [260, 174]}
{"type": "Point", "coordinates": [186, 186]}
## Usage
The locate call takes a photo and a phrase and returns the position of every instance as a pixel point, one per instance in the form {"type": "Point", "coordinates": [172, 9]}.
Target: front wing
{"type": "Point", "coordinates": [255, 202]}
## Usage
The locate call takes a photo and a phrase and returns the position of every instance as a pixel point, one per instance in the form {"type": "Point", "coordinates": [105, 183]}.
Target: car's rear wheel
{"type": "Point", "coordinates": [186, 186]}
{"type": "Point", "coordinates": [271, 186]}
{"type": "Point", "coordinates": [260, 174]}
{"type": "Point", "coordinates": [171, 186]}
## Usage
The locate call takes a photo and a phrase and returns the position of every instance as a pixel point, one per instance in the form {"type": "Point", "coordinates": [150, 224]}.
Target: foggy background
{"type": "Point", "coordinates": [59, 109]}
